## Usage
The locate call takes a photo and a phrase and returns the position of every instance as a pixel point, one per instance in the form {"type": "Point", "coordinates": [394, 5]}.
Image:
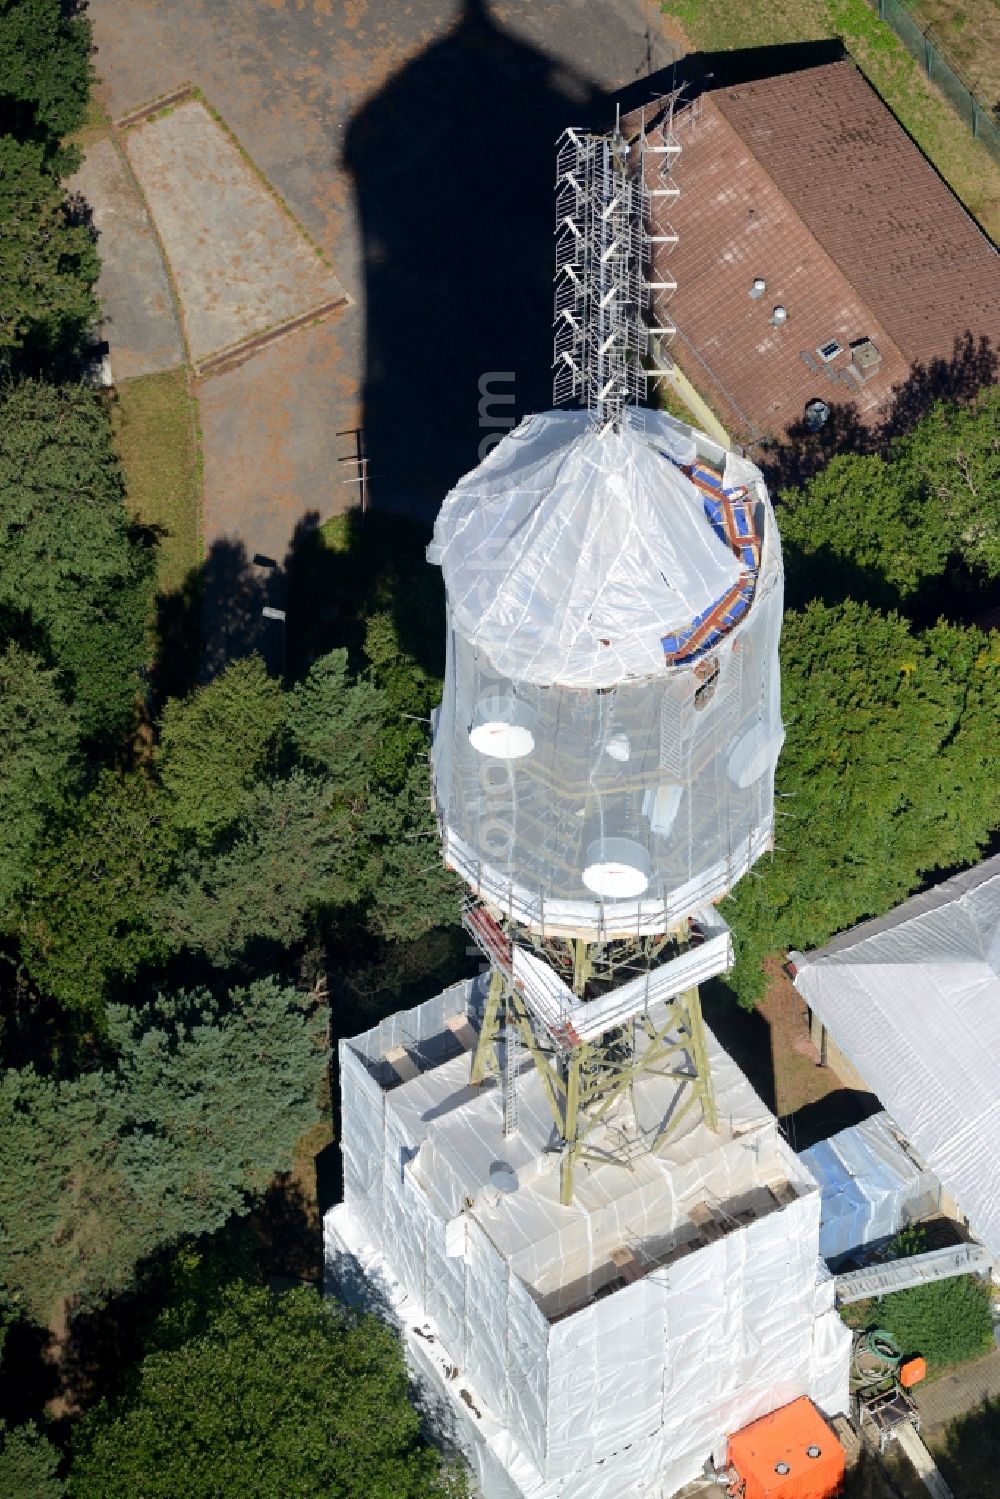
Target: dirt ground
{"type": "Point", "coordinates": [240, 263]}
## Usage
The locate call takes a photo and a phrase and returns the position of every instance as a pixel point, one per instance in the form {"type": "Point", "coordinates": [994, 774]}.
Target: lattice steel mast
{"type": "Point", "coordinates": [608, 266]}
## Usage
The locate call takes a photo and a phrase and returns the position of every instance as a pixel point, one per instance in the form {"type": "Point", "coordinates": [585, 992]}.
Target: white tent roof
{"type": "Point", "coordinates": [913, 1001]}
{"type": "Point", "coordinates": [568, 554]}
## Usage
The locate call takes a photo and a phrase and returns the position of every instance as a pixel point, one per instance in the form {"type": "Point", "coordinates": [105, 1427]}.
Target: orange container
{"type": "Point", "coordinates": [912, 1372]}
{"type": "Point", "coordinates": [790, 1454]}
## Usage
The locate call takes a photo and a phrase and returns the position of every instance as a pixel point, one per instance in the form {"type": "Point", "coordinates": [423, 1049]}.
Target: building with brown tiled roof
{"type": "Point", "coordinates": [806, 183]}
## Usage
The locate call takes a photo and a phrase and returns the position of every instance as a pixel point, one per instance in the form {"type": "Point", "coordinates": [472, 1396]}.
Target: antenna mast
{"type": "Point", "coordinates": [607, 273]}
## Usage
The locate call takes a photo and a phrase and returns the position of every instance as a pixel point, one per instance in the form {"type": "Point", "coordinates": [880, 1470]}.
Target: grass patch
{"type": "Point", "coordinates": [721, 25]}
{"type": "Point", "coordinates": [156, 433]}
{"type": "Point", "coordinates": [96, 125]}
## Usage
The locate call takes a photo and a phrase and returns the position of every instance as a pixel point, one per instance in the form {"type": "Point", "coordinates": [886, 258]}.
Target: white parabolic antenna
{"type": "Point", "coordinates": [617, 869]}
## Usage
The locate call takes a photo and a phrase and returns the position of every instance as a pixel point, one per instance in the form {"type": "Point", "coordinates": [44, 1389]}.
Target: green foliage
{"type": "Point", "coordinates": [910, 1240]}
{"type": "Point", "coordinates": [88, 924]}
{"type": "Point", "coordinates": [206, 1102]}
{"type": "Point", "coordinates": [887, 775]}
{"type": "Point", "coordinates": [289, 858]}
{"type": "Point", "coordinates": [952, 459]}
{"type": "Point", "coordinates": [38, 738]}
{"type": "Point", "coordinates": [948, 1321]}
{"type": "Point", "coordinates": [75, 578]}
{"type": "Point", "coordinates": [216, 744]}
{"type": "Point", "coordinates": [336, 724]}
{"type": "Point", "coordinates": [970, 1460]}
{"type": "Point", "coordinates": [29, 1464]}
{"type": "Point", "coordinates": [877, 528]}
{"type": "Point", "coordinates": [276, 1397]}
{"type": "Point", "coordinates": [48, 258]}
{"type": "Point", "coordinates": [410, 694]}
{"type": "Point", "coordinates": [412, 890]}
{"type": "Point", "coordinates": [45, 71]}
{"type": "Point", "coordinates": [860, 528]}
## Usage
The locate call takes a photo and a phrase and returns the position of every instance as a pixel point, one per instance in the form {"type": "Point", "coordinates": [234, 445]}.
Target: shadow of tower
{"type": "Point", "coordinates": [453, 163]}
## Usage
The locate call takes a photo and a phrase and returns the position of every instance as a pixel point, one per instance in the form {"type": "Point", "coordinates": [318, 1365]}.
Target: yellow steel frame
{"type": "Point", "coordinates": [583, 1081]}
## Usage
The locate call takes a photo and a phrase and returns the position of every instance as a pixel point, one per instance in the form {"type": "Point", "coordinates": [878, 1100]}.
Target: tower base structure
{"type": "Point", "coordinates": [600, 1348]}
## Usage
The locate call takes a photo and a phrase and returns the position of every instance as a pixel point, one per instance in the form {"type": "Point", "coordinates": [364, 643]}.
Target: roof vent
{"type": "Point", "coordinates": [865, 358]}
{"type": "Point", "coordinates": [817, 414]}
{"type": "Point", "coordinates": [829, 350]}
{"type": "Point", "coordinates": [779, 316]}
{"type": "Point", "coordinates": [758, 288]}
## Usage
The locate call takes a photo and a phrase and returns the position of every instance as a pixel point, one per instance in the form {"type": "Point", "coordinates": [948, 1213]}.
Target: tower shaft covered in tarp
{"type": "Point", "coordinates": [601, 1251]}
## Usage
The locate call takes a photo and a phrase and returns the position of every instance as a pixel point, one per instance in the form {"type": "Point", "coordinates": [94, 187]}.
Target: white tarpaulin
{"type": "Point", "coordinates": [568, 554]}
{"type": "Point", "coordinates": [871, 1185]}
{"type": "Point", "coordinates": [913, 1002]}
{"type": "Point", "coordinates": [562, 1377]}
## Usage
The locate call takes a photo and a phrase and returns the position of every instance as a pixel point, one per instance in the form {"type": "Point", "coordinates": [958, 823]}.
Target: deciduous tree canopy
{"type": "Point", "coordinates": [877, 528]}
{"type": "Point", "coordinates": [275, 1397]}
{"type": "Point", "coordinates": [888, 773]}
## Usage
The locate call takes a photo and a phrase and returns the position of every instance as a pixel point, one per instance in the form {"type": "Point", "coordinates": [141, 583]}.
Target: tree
{"type": "Point", "coordinates": [205, 1104]}
{"type": "Point", "coordinates": [29, 1464]}
{"type": "Point", "coordinates": [337, 725]}
{"type": "Point", "coordinates": [38, 739]}
{"type": "Point", "coordinates": [289, 858]}
{"type": "Point", "coordinates": [878, 527]}
{"type": "Point", "coordinates": [886, 776]}
{"type": "Point", "coordinates": [861, 528]}
{"type": "Point", "coordinates": [88, 924]}
{"type": "Point", "coordinates": [948, 1321]}
{"type": "Point", "coordinates": [953, 458]}
{"type": "Point", "coordinates": [216, 745]}
{"type": "Point", "coordinates": [212, 1098]}
{"type": "Point", "coordinates": [75, 576]}
{"type": "Point", "coordinates": [48, 258]}
{"type": "Point", "coordinates": [45, 71]}
{"type": "Point", "coordinates": [275, 1397]}
{"type": "Point", "coordinates": [412, 889]}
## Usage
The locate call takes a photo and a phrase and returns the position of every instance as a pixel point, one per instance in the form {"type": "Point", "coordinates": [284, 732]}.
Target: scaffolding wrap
{"type": "Point", "coordinates": [605, 748]}
{"type": "Point", "coordinates": [688, 1286]}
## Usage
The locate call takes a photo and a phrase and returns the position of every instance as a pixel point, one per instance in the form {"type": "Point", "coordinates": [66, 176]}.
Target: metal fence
{"type": "Point", "coordinates": [982, 119]}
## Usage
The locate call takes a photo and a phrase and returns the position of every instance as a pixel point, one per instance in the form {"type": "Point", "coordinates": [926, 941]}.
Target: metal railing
{"type": "Point", "coordinates": [914, 1270]}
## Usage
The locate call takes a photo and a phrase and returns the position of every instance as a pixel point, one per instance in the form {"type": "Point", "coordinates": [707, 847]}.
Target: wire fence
{"type": "Point", "coordinates": [982, 119]}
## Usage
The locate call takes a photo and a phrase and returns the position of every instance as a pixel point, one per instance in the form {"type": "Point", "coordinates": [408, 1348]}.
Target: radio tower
{"type": "Point", "coordinates": [604, 753]}
{"type": "Point", "coordinates": [600, 1250]}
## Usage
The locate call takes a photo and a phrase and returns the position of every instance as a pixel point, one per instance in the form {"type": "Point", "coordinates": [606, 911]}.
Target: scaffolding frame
{"type": "Point", "coordinates": [583, 1080]}
{"type": "Point", "coordinates": [609, 269]}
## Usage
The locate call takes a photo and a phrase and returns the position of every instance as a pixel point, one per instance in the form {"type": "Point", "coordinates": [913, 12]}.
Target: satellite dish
{"type": "Point", "coordinates": [753, 754]}
{"type": "Point", "coordinates": [617, 868]}
{"type": "Point", "coordinates": [502, 725]}
{"type": "Point", "coordinates": [661, 807]}
{"type": "Point", "coordinates": [503, 1176]}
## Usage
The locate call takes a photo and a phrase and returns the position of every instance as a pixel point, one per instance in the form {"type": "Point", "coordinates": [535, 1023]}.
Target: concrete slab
{"type": "Point", "coordinates": [139, 319]}
{"type": "Point", "coordinates": [240, 264]}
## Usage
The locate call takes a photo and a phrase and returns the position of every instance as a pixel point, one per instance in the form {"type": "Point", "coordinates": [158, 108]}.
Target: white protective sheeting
{"type": "Point", "coordinates": [913, 1002]}
{"type": "Point", "coordinates": [515, 1307]}
{"type": "Point", "coordinates": [659, 762]}
{"type": "Point", "coordinates": [871, 1185]}
{"type": "Point", "coordinates": [568, 554]}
